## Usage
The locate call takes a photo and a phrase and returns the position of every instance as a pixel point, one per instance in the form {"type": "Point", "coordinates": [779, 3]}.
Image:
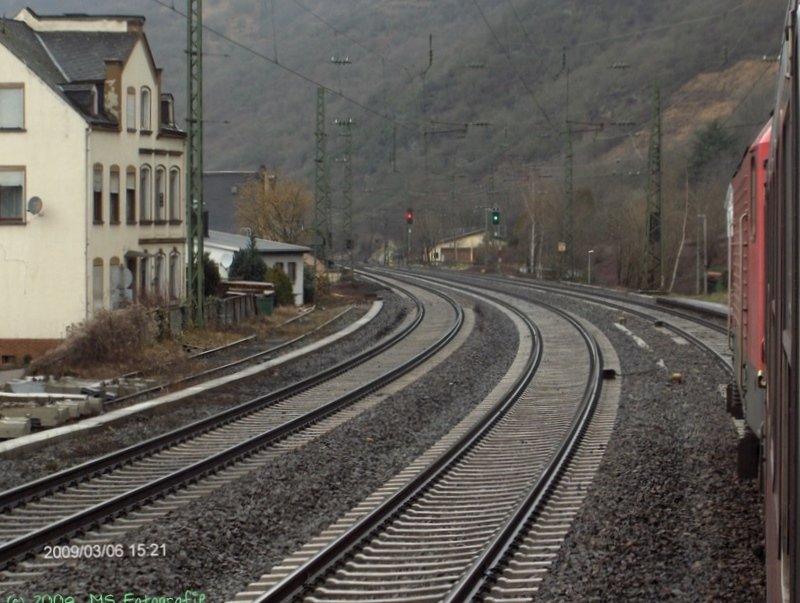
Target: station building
{"type": "Point", "coordinates": [91, 176]}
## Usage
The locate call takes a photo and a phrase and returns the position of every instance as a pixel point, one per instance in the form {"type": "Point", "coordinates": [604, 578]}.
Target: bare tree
{"type": "Point", "coordinates": [273, 208]}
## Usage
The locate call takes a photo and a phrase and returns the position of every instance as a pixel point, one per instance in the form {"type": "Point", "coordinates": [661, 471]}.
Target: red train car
{"type": "Point", "coordinates": [746, 253]}
{"type": "Point", "coordinates": [782, 262]}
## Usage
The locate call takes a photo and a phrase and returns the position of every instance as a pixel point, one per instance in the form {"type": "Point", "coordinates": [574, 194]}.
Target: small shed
{"type": "Point", "coordinates": [288, 257]}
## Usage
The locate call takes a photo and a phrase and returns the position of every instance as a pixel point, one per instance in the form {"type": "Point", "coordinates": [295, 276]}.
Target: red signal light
{"type": "Point", "coordinates": [409, 216]}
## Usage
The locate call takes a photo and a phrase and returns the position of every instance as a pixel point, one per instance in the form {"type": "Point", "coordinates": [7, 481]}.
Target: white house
{"type": "Point", "coordinates": [221, 246]}
{"type": "Point", "coordinates": [91, 176]}
{"type": "Point", "coordinates": [463, 248]}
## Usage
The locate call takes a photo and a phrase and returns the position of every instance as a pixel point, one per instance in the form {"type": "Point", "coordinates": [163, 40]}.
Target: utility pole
{"type": "Point", "coordinates": [655, 278]}
{"type": "Point", "coordinates": [322, 197]}
{"type": "Point", "coordinates": [568, 225]}
{"type": "Point", "coordinates": [194, 161]}
{"type": "Point", "coordinates": [347, 188]}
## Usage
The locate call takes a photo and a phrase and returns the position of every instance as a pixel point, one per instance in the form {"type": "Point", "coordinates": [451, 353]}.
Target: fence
{"type": "Point", "coordinates": [217, 312]}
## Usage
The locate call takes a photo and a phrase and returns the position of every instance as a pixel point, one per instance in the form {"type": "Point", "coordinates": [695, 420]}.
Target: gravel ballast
{"type": "Point", "coordinates": [666, 519]}
{"type": "Point", "coordinates": [219, 544]}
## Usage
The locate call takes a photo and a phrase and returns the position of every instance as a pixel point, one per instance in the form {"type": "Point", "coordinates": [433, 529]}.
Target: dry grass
{"type": "Point", "coordinates": [124, 341]}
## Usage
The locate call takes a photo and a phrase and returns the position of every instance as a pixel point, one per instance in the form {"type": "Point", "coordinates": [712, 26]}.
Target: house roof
{"type": "Point", "coordinates": [463, 235]}
{"type": "Point", "coordinates": [235, 242]}
{"type": "Point", "coordinates": [23, 42]}
{"type": "Point", "coordinates": [71, 61]}
{"type": "Point", "coordinates": [82, 54]}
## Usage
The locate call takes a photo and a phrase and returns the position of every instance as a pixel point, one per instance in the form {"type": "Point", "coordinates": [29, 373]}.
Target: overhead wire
{"type": "Point", "coordinates": [294, 72]}
{"type": "Point", "coordinates": [353, 40]}
{"type": "Point", "coordinates": [514, 68]}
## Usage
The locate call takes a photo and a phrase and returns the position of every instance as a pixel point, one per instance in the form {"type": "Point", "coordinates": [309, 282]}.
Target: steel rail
{"type": "Point", "coordinates": [73, 475]}
{"type": "Point", "coordinates": [22, 546]}
{"type": "Point", "coordinates": [316, 567]}
{"type": "Point", "coordinates": [489, 562]}
{"type": "Point", "coordinates": [622, 304]}
{"type": "Point", "coordinates": [115, 402]}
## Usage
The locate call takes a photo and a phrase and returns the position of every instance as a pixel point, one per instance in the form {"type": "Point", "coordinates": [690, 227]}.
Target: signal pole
{"type": "Point", "coordinates": [655, 278]}
{"type": "Point", "coordinates": [194, 160]}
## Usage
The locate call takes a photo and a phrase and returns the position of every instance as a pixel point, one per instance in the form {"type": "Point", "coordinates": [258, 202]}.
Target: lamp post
{"type": "Point", "coordinates": [589, 271]}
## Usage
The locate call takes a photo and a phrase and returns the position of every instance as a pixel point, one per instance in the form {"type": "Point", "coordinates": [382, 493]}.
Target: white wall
{"type": "Point", "coordinates": [42, 262]}
{"type": "Point", "coordinates": [122, 150]}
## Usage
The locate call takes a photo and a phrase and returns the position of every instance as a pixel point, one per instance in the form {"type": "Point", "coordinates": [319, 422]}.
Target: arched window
{"type": "Point", "coordinates": [130, 195]}
{"type": "Point", "coordinates": [145, 186]}
{"type": "Point", "coordinates": [145, 109]}
{"type": "Point", "coordinates": [113, 195]}
{"type": "Point", "coordinates": [130, 109]}
{"type": "Point", "coordinates": [97, 194]}
{"type": "Point", "coordinates": [97, 284]}
{"type": "Point", "coordinates": [174, 194]}
{"type": "Point", "coordinates": [159, 280]}
{"type": "Point", "coordinates": [161, 193]}
{"type": "Point", "coordinates": [174, 275]}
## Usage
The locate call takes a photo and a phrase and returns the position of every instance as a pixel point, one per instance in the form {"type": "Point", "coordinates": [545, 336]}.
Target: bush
{"type": "Point", "coordinates": [211, 278]}
{"type": "Point", "coordinates": [283, 286]}
{"type": "Point", "coordinates": [109, 337]}
{"type": "Point", "coordinates": [247, 264]}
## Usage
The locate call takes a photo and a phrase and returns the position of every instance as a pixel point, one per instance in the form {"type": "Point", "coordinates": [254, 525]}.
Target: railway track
{"type": "Point", "coordinates": [210, 452]}
{"type": "Point", "coordinates": [221, 360]}
{"type": "Point", "coordinates": [434, 531]}
{"type": "Point", "coordinates": [710, 335]}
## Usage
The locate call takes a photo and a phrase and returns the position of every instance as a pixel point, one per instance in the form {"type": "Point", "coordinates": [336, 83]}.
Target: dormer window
{"type": "Point", "coordinates": [167, 110]}
{"type": "Point", "coordinates": [85, 96]}
{"type": "Point", "coordinates": [145, 109]}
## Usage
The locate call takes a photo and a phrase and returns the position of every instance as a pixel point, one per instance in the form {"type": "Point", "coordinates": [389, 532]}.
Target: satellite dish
{"type": "Point", "coordinates": [35, 205]}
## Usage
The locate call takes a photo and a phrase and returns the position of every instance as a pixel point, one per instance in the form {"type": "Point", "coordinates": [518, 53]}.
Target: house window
{"type": "Point", "coordinates": [97, 195]}
{"type": "Point", "coordinates": [12, 114]}
{"type": "Point", "coordinates": [158, 276]}
{"type": "Point", "coordinates": [292, 266]}
{"type": "Point", "coordinates": [145, 109]}
{"type": "Point", "coordinates": [144, 194]}
{"type": "Point", "coordinates": [11, 184]}
{"type": "Point", "coordinates": [97, 284]}
{"type": "Point", "coordinates": [113, 196]}
{"type": "Point", "coordinates": [174, 194]}
{"type": "Point", "coordinates": [130, 196]}
{"type": "Point", "coordinates": [130, 109]}
{"type": "Point", "coordinates": [174, 275]}
{"type": "Point", "coordinates": [167, 110]}
{"type": "Point", "coordinates": [161, 193]}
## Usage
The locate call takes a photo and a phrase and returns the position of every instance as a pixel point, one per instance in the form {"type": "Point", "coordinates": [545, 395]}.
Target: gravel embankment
{"type": "Point", "coordinates": [667, 518]}
{"type": "Point", "coordinates": [219, 544]}
{"type": "Point", "coordinates": [143, 426]}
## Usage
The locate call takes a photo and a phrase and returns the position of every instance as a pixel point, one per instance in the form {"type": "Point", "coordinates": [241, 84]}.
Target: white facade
{"type": "Point", "coordinates": [110, 179]}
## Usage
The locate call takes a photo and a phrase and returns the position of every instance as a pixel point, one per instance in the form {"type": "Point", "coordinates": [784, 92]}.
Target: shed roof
{"type": "Point", "coordinates": [235, 242]}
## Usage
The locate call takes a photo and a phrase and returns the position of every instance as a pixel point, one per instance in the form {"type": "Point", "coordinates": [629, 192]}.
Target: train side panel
{"type": "Point", "coordinates": [781, 426]}
{"type": "Point", "coordinates": [746, 294]}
